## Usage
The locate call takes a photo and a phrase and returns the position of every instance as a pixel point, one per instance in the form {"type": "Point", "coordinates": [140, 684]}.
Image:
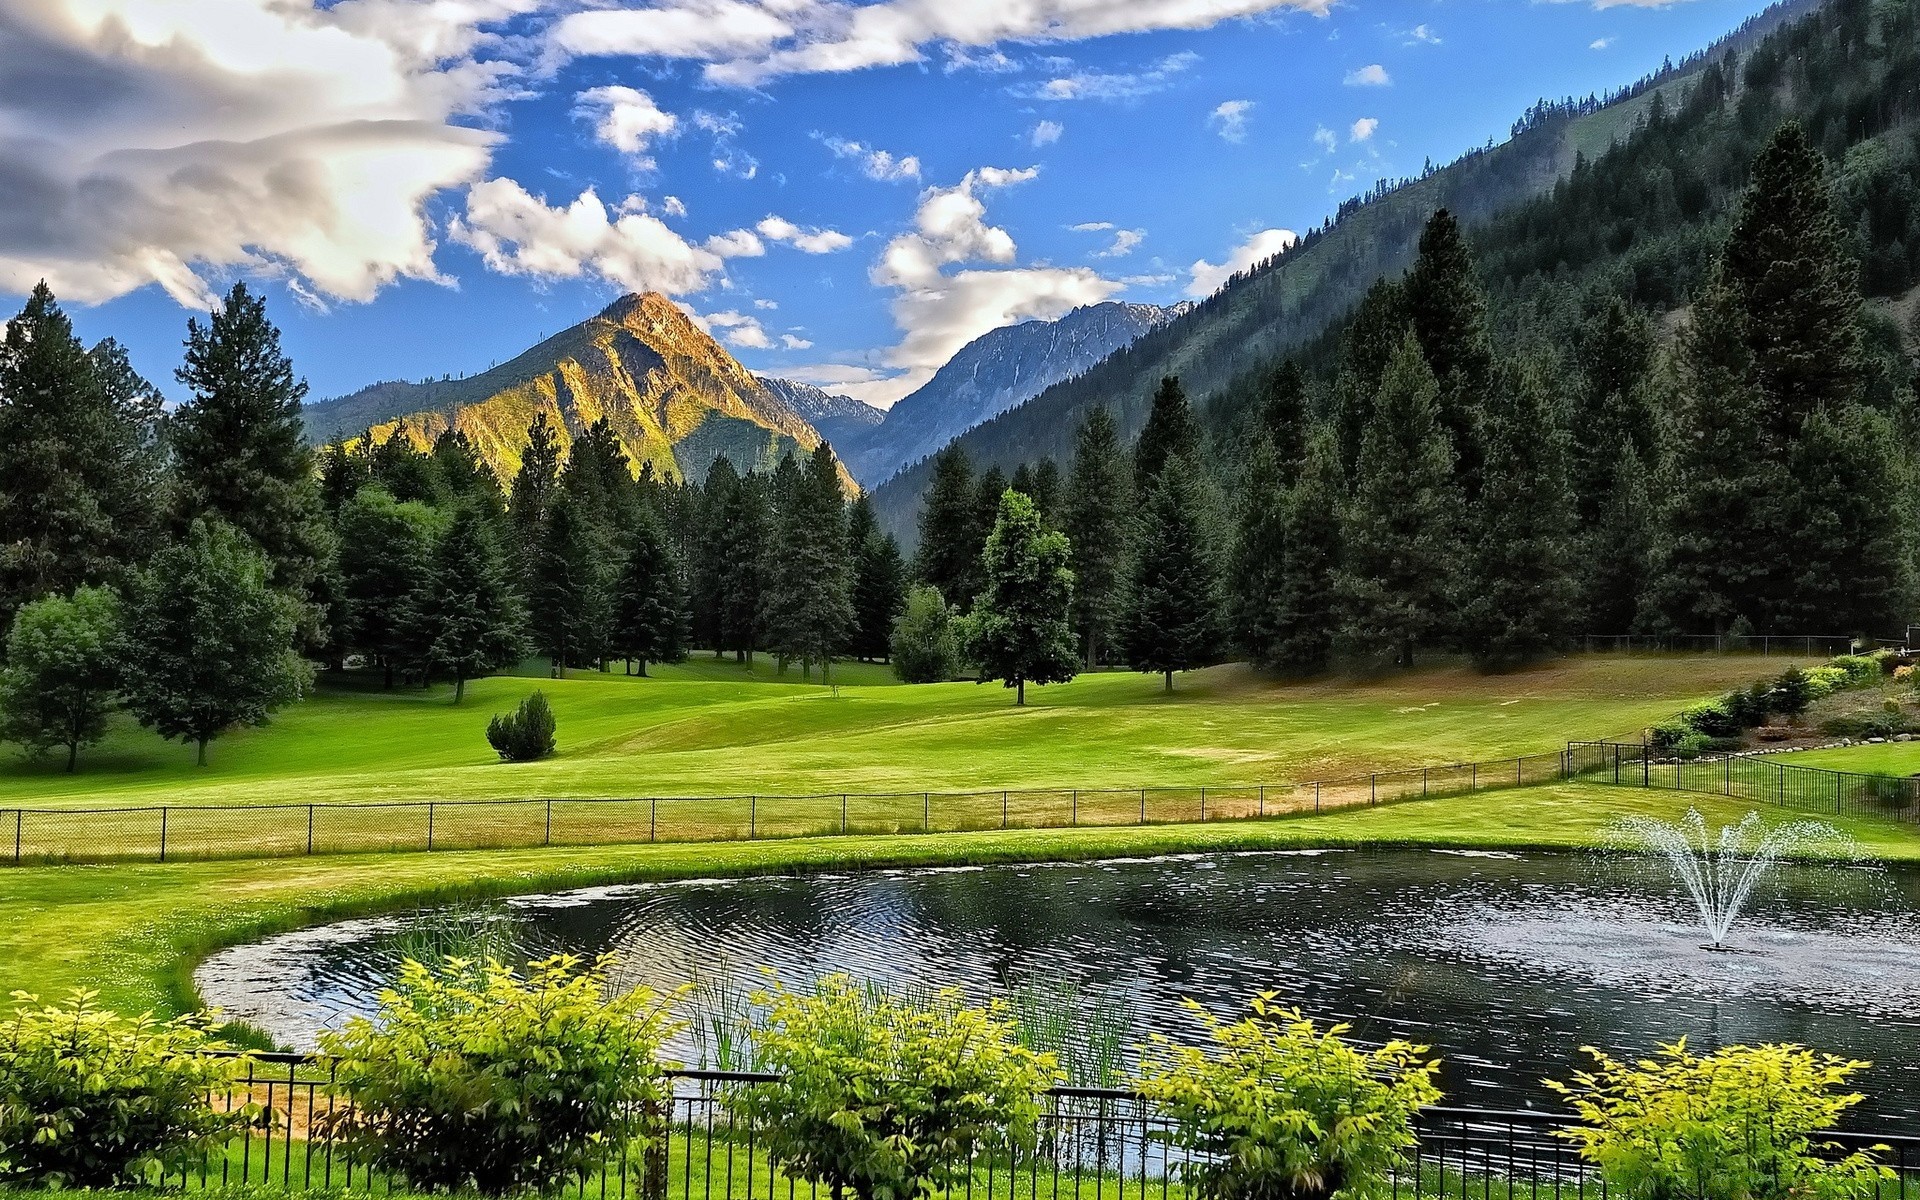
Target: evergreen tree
{"type": "Point", "coordinates": [1097, 522]}
{"type": "Point", "coordinates": [1173, 623]}
{"type": "Point", "coordinates": [809, 591]}
{"type": "Point", "coordinates": [467, 615]}
{"type": "Point", "coordinates": [1615, 426]}
{"type": "Point", "coordinates": [343, 472]}
{"type": "Point", "coordinates": [465, 480]}
{"type": "Point", "coordinates": [747, 533]}
{"type": "Point", "coordinates": [566, 597]}
{"type": "Point", "coordinates": [1283, 416]}
{"type": "Point", "coordinates": [986, 505]}
{"type": "Point", "coordinates": [533, 488]}
{"type": "Point", "coordinates": [1401, 535]}
{"type": "Point", "coordinates": [1046, 492]}
{"type": "Point", "coordinates": [879, 582]}
{"type": "Point", "coordinates": [403, 471]}
{"type": "Point", "coordinates": [1306, 610]}
{"type": "Point", "coordinates": [1257, 571]}
{"type": "Point", "coordinates": [76, 480]}
{"type": "Point", "coordinates": [239, 448]}
{"type": "Point", "coordinates": [1170, 433]}
{"type": "Point", "coordinates": [949, 555]}
{"type": "Point", "coordinates": [1019, 630]}
{"type": "Point", "coordinates": [599, 477]}
{"type": "Point", "coordinates": [137, 402]}
{"type": "Point", "coordinates": [62, 670]}
{"type": "Point", "coordinates": [1449, 316]}
{"type": "Point", "coordinates": [208, 639]}
{"type": "Point", "coordinates": [649, 608]}
{"type": "Point", "coordinates": [1519, 596]}
{"type": "Point", "coordinates": [1375, 332]}
{"type": "Point", "coordinates": [1850, 544]}
{"type": "Point", "coordinates": [386, 557]}
{"type": "Point", "coordinates": [708, 563]}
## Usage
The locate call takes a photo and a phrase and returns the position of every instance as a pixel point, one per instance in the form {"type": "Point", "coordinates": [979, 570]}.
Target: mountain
{"type": "Point", "coordinates": [1281, 305]}
{"type": "Point", "coordinates": [991, 374]}
{"type": "Point", "coordinates": [672, 394]}
{"type": "Point", "coordinates": [840, 419]}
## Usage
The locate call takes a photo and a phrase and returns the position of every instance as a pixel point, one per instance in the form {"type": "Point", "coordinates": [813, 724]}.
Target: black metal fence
{"type": "Point", "coordinates": [173, 832]}
{"type": "Point", "coordinates": [1093, 1144]}
{"type": "Point", "coordinates": [1759, 778]}
{"type": "Point", "coordinates": [1765, 645]}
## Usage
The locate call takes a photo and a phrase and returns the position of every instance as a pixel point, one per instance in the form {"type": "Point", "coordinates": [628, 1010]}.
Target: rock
{"type": "Point", "coordinates": [1902, 737]}
{"type": "Point", "coordinates": [1876, 741]}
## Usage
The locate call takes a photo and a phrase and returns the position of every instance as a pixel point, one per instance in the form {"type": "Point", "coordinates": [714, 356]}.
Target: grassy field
{"type": "Point", "coordinates": [1890, 758]}
{"type": "Point", "coordinates": [134, 931]}
{"type": "Point", "coordinates": [707, 728]}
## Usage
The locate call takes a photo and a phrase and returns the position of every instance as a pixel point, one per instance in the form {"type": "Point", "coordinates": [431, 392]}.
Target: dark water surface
{"type": "Point", "coordinates": [1505, 964]}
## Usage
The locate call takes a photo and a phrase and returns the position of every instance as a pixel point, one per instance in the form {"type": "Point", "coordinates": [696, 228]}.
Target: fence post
{"type": "Point", "coordinates": [429, 824]}
{"type": "Point", "coordinates": [1726, 774]}
{"type": "Point", "coordinates": [1143, 806]}
{"type": "Point", "coordinates": [309, 829]}
{"type": "Point", "coordinates": [843, 812]}
{"type": "Point", "coordinates": [19, 819]}
{"type": "Point", "coordinates": [1646, 765]}
{"type": "Point", "coordinates": [1517, 761]}
{"type": "Point", "coordinates": [1616, 762]}
{"type": "Point", "coordinates": [653, 818]}
{"type": "Point", "coordinates": [163, 833]}
{"type": "Point", "coordinates": [1003, 810]}
{"type": "Point", "coordinates": [1316, 795]}
{"type": "Point", "coordinates": [1373, 789]}
{"type": "Point", "coordinates": [1423, 779]}
{"type": "Point", "coordinates": [1203, 806]}
{"type": "Point", "coordinates": [753, 817]}
{"type": "Point", "coordinates": [926, 812]}
{"type": "Point", "coordinates": [546, 837]}
{"type": "Point", "coordinates": [1073, 813]}
{"type": "Point", "coordinates": [1473, 777]}
{"type": "Point", "coordinates": [1263, 799]}
{"type": "Point", "coordinates": [1836, 793]}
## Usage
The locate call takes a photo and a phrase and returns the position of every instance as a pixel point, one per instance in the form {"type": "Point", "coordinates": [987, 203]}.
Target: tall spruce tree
{"type": "Point", "coordinates": [747, 532]}
{"type": "Point", "coordinates": [467, 615]}
{"type": "Point", "coordinates": [1617, 432]}
{"type": "Point", "coordinates": [343, 472]}
{"type": "Point", "coordinates": [879, 582]}
{"type": "Point", "coordinates": [1019, 631]}
{"type": "Point", "coordinates": [1449, 317]}
{"type": "Point", "coordinates": [810, 585]}
{"type": "Point", "coordinates": [1258, 568]}
{"type": "Point", "coordinates": [1372, 336]}
{"type": "Point", "coordinates": [566, 597]}
{"type": "Point", "coordinates": [1046, 492]}
{"type": "Point", "coordinates": [1401, 534]}
{"type": "Point", "coordinates": [1283, 415]}
{"type": "Point", "coordinates": [1098, 524]}
{"type": "Point", "coordinates": [708, 565]}
{"type": "Point", "coordinates": [1170, 433]}
{"type": "Point", "coordinates": [1306, 610]}
{"type": "Point", "coordinates": [465, 478]}
{"type": "Point", "coordinates": [1850, 542]}
{"type": "Point", "coordinates": [533, 488]}
{"type": "Point", "coordinates": [1173, 620]}
{"type": "Point", "coordinates": [386, 559]}
{"type": "Point", "coordinates": [407, 473]}
{"type": "Point", "coordinates": [1518, 595]}
{"type": "Point", "coordinates": [949, 556]}
{"type": "Point", "coordinates": [649, 607]}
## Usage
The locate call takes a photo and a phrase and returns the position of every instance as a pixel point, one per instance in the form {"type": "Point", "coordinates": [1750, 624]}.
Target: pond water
{"type": "Point", "coordinates": [1505, 964]}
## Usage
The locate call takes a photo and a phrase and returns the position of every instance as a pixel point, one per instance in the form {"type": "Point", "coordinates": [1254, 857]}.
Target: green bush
{"type": "Point", "coordinates": [91, 1099]}
{"type": "Point", "coordinates": [1747, 707]}
{"type": "Point", "coordinates": [1861, 671]}
{"type": "Point", "coordinates": [1710, 718]}
{"type": "Point", "coordinates": [1791, 692]}
{"type": "Point", "coordinates": [888, 1098]}
{"type": "Point", "coordinates": [1825, 681]}
{"type": "Point", "coordinates": [1278, 1109]}
{"type": "Point", "coordinates": [924, 648]}
{"type": "Point", "coordinates": [1738, 1124]}
{"type": "Point", "coordinates": [526, 733]}
{"type": "Point", "coordinates": [1676, 739]}
{"type": "Point", "coordinates": [476, 1076]}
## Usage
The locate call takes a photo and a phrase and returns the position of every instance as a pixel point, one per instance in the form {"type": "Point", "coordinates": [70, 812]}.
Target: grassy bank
{"type": "Point", "coordinates": [1890, 758]}
{"type": "Point", "coordinates": [707, 728]}
{"type": "Point", "coordinates": [134, 931]}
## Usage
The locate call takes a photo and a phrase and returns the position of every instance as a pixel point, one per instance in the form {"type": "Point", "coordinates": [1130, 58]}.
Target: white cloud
{"type": "Point", "coordinates": [674, 206]}
{"type": "Point", "coordinates": [1371, 75]}
{"type": "Point", "coordinates": [766, 305]}
{"type": "Point", "coordinates": [807, 241]}
{"type": "Point", "coordinates": [1229, 119]}
{"type": "Point", "coordinates": [521, 234]}
{"type": "Point", "coordinates": [1046, 133]}
{"type": "Point", "coordinates": [1424, 33]}
{"type": "Point", "coordinates": [1600, 43]}
{"type": "Point", "coordinates": [747, 42]}
{"type": "Point", "coordinates": [791, 342]}
{"type": "Point", "coordinates": [736, 243]}
{"type": "Point", "coordinates": [738, 329]}
{"type": "Point", "coordinates": [1363, 128]}
{"type": "Point", "coordinates": [877, 164]}
{"type": "Point", "coordinates": [1205, 278]}
{"type": "Point", "coordinates": [153, 142]}
{"type": "Point", "coordinates": [626, 119]}
{"type": "Point", "coordinates": [1326, 139]}
{"type": "Point", "coordinates": [1124, 240]}
{"type": "Point", "coordinates": [1116, 85]}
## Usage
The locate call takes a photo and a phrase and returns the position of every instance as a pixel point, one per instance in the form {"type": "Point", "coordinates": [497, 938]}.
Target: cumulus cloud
{"type": "Point", "coordinates": [1600, 43]}
{"type": "Point", "coordinates": [794, 342]}
{"type": "Point", "coordinates": [1046, 133]}
{"type": "Point", "coordinates": [626, 119]}
{"type": "Point", "coordinates": [1205, 278]}
{"type": "Point", "coordinates": [736, 243]}
{"type": "Point", "coordinates": [1115, 85]}
{"type": "Point", "coordinates": [877, 164]}
{"type": "Point", "coordinates": [1371, 75]}
{"type": "Point", "coordinates": [807, 241]}
{"type": "Point", "coordinates": [1229, 119]}
{"type": "Point", "coordinates": [518, 233]}
{"type": "Point", "coordinates": [1124, 242]}
{"type": "Point", "coordinates": [738, 329]}
{"type": "Point", "coordinates": [747, 42]}
{"type": "Point", "coordinates": [1325, 139]}
{"type": "Point", "coordinates": [1363, 128]}
{"type": "Point", "coordinates": [148, 141]}
{"type": "Point", "coordinates": [1425, 34]}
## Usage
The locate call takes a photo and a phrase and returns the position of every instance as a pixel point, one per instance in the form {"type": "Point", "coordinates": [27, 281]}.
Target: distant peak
{"type": "Point", "coordinates": [645, 305]}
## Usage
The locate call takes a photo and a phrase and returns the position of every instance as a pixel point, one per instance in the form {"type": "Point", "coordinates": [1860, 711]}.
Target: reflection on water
{"type": "Point", "coordinates": [1504, 964]}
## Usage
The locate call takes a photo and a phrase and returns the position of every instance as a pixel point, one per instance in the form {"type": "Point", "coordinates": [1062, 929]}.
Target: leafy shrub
{"type": "Point", "coordinates": [1278, 1109]}
{"type": "Point", "coordinates": [924, 647]}
{"type": "Point", "coordinates": [1824, 681]}
{"type": "Point", "coordinates": [884, 1097]}
{"type": "Point", "coordinates": [91, 1099]}
{"type": "Point", "coordinates": [1747, 707]}
{"type": "Point", "coordinates": [1866, 725]}
{"type": "Point", "coordinates": [1860, 670]}
{"type": "Point", "coordinates": [473, 1075]}
{"type": "Point", "coordinates": [1737, 1124]}
{"type": "Point", "coordinates": [526, 733]}
{"type": "Point", "coordinates": [1791, 692]}
{"type": "Point", "coordinates": [1676, 739]}
{"type": "Point", "coordinates": [1711, 719]}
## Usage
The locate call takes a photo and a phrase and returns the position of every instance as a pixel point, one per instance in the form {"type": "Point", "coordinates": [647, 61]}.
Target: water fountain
{"type": "Point", "coordinates": [1720, 871]}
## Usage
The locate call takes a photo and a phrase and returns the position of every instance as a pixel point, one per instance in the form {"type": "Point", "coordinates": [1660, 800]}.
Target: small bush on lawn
{"type": "Point", "coordinates": [1676, 739]}
{"type": "Point", "coordinates": [1741, 1123]}
{"type": "Point", "coordinates": [92, 1099]}
{"type": "Point", "coordinates": [1791, 692]}
{"type": "Point", "coordinates": [526, 733]}
{"type": "Point", "coordinates": [476, 1076]}
{"type": "Point", "coordinates": [1860, 670]}
{"type": "Point", "coordinates": [888, 1098]}
{"type": "Point", "coordinates": [1278, 1109]}
{"type": "Point", "coordinates": [1825, 681]}
{"type": "Point", "coordinates": [1710, 718]}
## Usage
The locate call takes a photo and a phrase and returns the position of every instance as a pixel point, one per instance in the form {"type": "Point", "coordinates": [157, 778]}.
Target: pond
{"type": "Point", "coordinates": [1505, 964]}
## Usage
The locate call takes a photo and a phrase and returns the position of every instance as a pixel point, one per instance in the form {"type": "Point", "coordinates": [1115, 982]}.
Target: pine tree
{"type": "Point", "coordinates": [533, 488]}
{"type": "Point", "coordinates": [1173, 623]}
{"type": "Point", "coordinates": [1518, 595]}
{"type": "Point", "coordinates": [1257, 572]}
{"type": "Point", "coordinates": [1283, 416]}
{"type": "Point", "coordinates": [208, 639]}
{"type": "Point", "coordinates": [407, 474]}
{"type": "Point", "coordinates": [1046, 492]}
{"type": "Point", "coordinates": [1169, 433]}
{"type": "Point", "coordinates": [343, 472]}
{"type": "Point", "coordinates": [810, 582]}
{"type": "Point", "coordinates": [239, 448]}
{"type": "Point", "coordinates": [465, 479]}
{"type": "Point", "coordinates": [1019, 632]}
{"type": "Point", "coordinates": [76, 480]}
{"type": "Point", "coordinates": [1449, 317]}
{"type": "Point", "coordinates": [949, 557]}
{"type": "Point", "coordinates": [879, 582]}
{"type": "Point", "coordinates": [1615, 427]}
{"type": "Point", "coordinates": [1401, 536]}
{"type": "Point", "coordinates": [986, 505]}
{"type": "Point", "coordinates": [1098, 522]}
{"type": "Point", "coordinates": [1306, 611]}
{"type": "Point", "coordinates": [649, 608]}
{"type": "Point", "coordinates": [1375, 332]}
{"type": "Point", "coordinates": [747, 532]}
{"type": "Point", "coordinates": [566, 596]}
{"type": "Point", "coordinates": [467, 615]}
{"type": "Point", "coordinates": [386, 558]}
{"type": "Point", "coordinates": [708, 563]}
{"type": "Point", "coordinates": [1850, 535]}
{"type": "Point", "coordinates": [599, 477]}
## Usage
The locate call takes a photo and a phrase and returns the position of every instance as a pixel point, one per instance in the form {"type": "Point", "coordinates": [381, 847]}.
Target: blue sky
{"type": "Point", "coordinates": [844, 192]}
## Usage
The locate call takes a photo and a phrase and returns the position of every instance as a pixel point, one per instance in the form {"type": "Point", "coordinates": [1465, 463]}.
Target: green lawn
{"type": "Point", "coordinates": [134, 931]}
{"type": "Point", "coordinates": [708, 728]}
{"type": "Point", "coordinates": [1890, 758]}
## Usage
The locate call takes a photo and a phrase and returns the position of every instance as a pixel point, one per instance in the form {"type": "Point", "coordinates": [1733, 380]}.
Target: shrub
{"type": "Point", "coordinates": [1737, 1124]}
{"type": "Point", "coordinates": [526, 733]}
{"type": "Point", "coordinates": [887, 1098]}
{"type": "Point", "coordinates": [924, 648]}
{"type": "Point", "coordinates": [1747, 707]}
{"type": "Point", "coordinates": [1676, 738]}
{"type": "Point", "coordinates": [1824, 681]}
{"type": "Point", "coordinates": [1278, 1109]}
{"type": "Point", "coordinates": [1791, 692]}
{"type": "Point", "coordinates": [1711, 719]}
{"type": "Point", "coordinates": [91, 1099]}
{"type": "Point", "coordinates": [1860, 670]}
{"type": "Point", "coordinates": [472, 1075]}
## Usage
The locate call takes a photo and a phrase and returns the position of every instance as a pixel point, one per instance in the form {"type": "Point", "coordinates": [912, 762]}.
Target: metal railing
{"type": "Point", "coordinates": [1093, 1144]}
{"type": "Point", "coordinates": [172, 832]}
{"type": "Point", "coordinates": [1758, 778]}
